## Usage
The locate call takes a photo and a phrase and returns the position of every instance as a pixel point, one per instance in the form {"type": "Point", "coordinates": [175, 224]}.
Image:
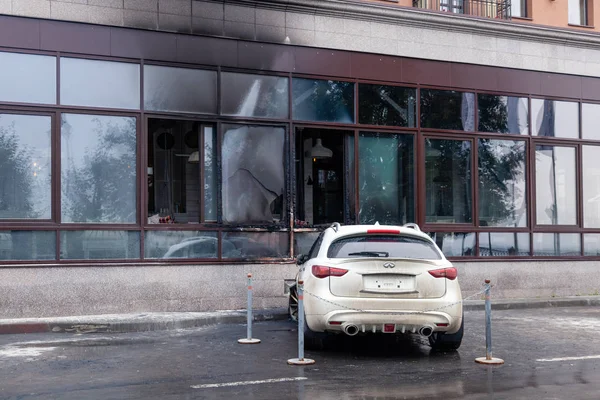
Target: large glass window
{"type": "Point", "coordinates": [591, 186]}
{"type": "Point", "coordinates": [503, 244]}
{"type": "Point", "coordinates": [255, 245]}
{"type": "Point", "coordinates": [590, 121]}
{"type": "Point", "coordinates": [386, 178]}
{"type": "Point", "coordinates": [319, 100]}
{"type": "Point", "coordinates": [502, 183]}
{"type": "Point", "coordinates": [503, 114]}
{"type": "Point", "coordinates": [455, 244]}
{"type": "Point", "coordinates": [447, 109]}
{"type": "Point", "coordinates": [555, 185]}
{"type": "Point", "coordinates": [556, 244]}
{"type": "Point", "coordinates": [591, 244]}
{"type": "Point", "coordinates": [181, 244]}
{"type": "Point", "coordinates": [387, 105]}
{"type": "Point", "coordinates": [180, 89]}
{"type": "Point", "coordinates": [245, 95]}
{"type": "Point", "coordinates": [25, 167]}
{"type": "Point", "coordinates": [27, 78]}
{"type": "Point", "coordinates": [177, 190]}
{"type": "Point", "coordinates": [93, 83]}
{"type": "Point", "coordinates": [448, 181]}
{"type": "Point", "coordinates": [98, 169]}
{"type": "Point", "coordinates": [99, 245]}
{"type": "Point", "coordinates": [253, 175]}
{"type": "Point", "coordinates": [27, 245]}
{"type": "Point", "coordinates": [555, 118]}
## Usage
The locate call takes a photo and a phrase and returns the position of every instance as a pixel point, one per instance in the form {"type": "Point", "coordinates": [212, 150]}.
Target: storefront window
{"type": "Point", "coordinates": [28, 78]}
{"type": "Point", "coordinates": [98, 169]}
{"type": "Point", "coordinates": [591, 186]}
{"type": "Point", "coordinates": [590, 121]}
{"type": "Point", "coordinates": [387, 105]}
{"type": "Point", "coordinates": [455, 244]}
{"type": "Point", "coordinates": [93, 83]}
{"type": "Point", "coordinates": [447, 109]}
{"type": "Point", "coordinates": [253, 175]}
{"type": "Point", "coordinates": [386, 178]}
{"type": "Point", "coordinates": [504, 244]}
{"type": "Point", "coordinates": [27, 245]}
{"type": "Point", "coordinates": [181, 244]}
{"type": "Point", "coordinates": [320, 100]}
{"type": "Point", "coordinates": [555, 118]}
{"type": "Point", "coordinates": [556, 244]}
{"type": "Point", "coordinates": [503, 114]}
{"type": "Point", "coordinates": [99, 245]}
{"type": "Point", "coordinates": [591, 244]}
{"type": "Point", "coordinates": [448, 181]}
{"type": "Point", "coordinates": [180, 89]}
{"type": "Point", "coordinates": [502, 183]}
{"type": "Point", "coordinates": [255, 245]}
{"type": "Point", "coordinates": [245, 95]}
{"type": "Point", "coordinates": [555, 185]}
{"type": "Point", "coordinates": [303, 242]}
{"type": "Point", "coordinates": [25, 167]}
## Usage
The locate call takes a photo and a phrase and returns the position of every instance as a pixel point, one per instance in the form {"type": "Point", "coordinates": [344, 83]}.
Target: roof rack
{"type": "Point", "coordinates": [335, 226]}
{"type": "Point", "coordinates": [412, 225]}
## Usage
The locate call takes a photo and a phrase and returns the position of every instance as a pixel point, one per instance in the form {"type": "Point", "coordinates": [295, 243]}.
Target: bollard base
{"type": "Point", "coordinates": [297, 361]}
{"type": "Point", "coordinates": [491, 361]}
{"type": "Point", "coordinates": [249, 341]}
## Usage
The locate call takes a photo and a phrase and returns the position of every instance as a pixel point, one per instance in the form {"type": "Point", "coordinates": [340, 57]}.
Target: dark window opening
{"type": "Point", "coordinates": [383, 246]}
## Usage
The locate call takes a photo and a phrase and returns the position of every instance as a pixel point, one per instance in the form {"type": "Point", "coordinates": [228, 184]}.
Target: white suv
{"type": "Point", "coordinates": [364, 279]}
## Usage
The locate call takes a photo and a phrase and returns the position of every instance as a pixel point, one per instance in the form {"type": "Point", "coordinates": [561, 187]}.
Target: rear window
{"type": "Point", "coordinates": [393, 246]}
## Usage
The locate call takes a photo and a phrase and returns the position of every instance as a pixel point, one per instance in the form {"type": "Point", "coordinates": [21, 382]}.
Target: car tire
{"type": "Point", "coordinates": [440, 341]}
{"type": "Point", "coordinates": [293, 303]}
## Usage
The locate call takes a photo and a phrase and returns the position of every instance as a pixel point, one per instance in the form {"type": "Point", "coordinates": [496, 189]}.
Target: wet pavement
{"type": "Point", "coordinates": [551, 353]}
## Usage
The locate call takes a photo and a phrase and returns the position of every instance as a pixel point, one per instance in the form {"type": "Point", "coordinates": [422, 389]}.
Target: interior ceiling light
{"type": "Point", "coordinates": [320, 151]}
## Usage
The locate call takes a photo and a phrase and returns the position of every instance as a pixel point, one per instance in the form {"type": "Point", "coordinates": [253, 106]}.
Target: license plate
{"type": "Point", "coordinates": [388, 283]}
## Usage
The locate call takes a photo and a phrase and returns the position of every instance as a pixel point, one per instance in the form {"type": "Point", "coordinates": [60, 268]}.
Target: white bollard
{"type": "Point", "coordinates": [300, 360]}
{"type": "Point", "coordinates": [249, 339]}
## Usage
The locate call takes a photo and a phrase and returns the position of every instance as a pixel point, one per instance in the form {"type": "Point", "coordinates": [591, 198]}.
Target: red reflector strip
{"type": "Point", "coordinates": [389, 328]}
{"type": "Point", "coordinates": [335, 323]}
{"type": "Point", "coordinates": [388, 231]}
{"type": "Point", "coordinates": [442, 324]}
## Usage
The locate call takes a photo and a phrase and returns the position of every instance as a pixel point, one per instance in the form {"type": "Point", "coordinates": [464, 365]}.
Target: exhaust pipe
{"type": "Point", "coordinates": [426, 331]}
{"type": "Point", "coordinates": [351, 330]}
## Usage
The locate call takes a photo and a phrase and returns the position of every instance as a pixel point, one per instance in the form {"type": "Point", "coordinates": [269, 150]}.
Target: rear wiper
{"type": "Point", "coordinates": [371, 254]}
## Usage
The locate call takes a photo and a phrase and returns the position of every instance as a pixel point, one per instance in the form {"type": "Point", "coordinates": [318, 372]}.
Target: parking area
{"type": "Point", "coordinates": [551, 353]}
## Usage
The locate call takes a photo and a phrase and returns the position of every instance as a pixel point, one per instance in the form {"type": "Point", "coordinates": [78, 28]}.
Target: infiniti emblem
{"type": "Point", "coordinates": [389, 265]}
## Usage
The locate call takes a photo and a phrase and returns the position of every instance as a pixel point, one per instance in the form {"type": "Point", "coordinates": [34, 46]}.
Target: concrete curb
{"type": "Point", "coordinates": [121, 323]}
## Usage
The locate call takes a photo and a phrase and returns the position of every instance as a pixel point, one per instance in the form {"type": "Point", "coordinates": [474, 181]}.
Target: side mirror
{"type": "Point", "coordinates": [301, 259]}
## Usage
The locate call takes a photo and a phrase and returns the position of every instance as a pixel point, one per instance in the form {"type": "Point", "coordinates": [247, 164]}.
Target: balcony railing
{"type": "Point", "coordinates": [499, 9]}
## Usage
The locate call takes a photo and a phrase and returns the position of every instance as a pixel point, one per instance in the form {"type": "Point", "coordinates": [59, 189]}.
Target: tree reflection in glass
{"type": "Point", "coordinates": [447, 109]}
{"type": "Point", "coordinates": [503, 114]}
{"type": "Point", "coordinates": [387, 105]}
{"type": "Point", "coordinates": [320, 100]}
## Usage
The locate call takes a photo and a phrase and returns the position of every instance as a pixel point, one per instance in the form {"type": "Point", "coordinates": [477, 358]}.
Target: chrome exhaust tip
{"type": "Point", "coordinates": [351, 330]}
{"type": "Point", "coordinates": [426, 331]}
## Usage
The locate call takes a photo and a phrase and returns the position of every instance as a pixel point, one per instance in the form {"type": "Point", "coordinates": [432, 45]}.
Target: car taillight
{"type": "Point", "coordinates": [448, 273]}
{"type": "Point", "coordinates": [384, 231]}
{"type": "Point", "coordinates": [323, 272]}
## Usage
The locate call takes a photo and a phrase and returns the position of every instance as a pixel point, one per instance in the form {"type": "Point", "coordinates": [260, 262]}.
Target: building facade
{"type": "Point", "coordinates": [154, 152]}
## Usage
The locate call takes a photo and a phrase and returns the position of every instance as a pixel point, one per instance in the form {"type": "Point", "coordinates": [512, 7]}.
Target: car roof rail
{"type": "Point", "coordinates": [412, 225]}
{"type": "Point", "coordinates": [335, 226]}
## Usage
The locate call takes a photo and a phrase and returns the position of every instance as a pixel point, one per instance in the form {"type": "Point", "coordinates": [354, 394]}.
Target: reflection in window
{"type": "Point", "coordinates": [556, 244]}
{"type": "Point", "coordinates": [175, 162]}
{"type": "Point", "coordinates": [386, 178]}
{"type": "Point", "coordinates": [555, 185]}
{"type": "Point", "coordinates": [555, 118]}
{"type": "Point", "coordinates": [246, 95]}
{"type": "Point", "coordinates": [180, 89]}
{"type": "Point", "coordinates": [181, 244]}
{"type": "Point", "coordinates": [304, 241]}
{"type": "Point", "coordinates": [25, 167]}
{"type": "Point", "coordinates": [255, 245]}
{"type": "Point", "coordinates": [591, 244]}
{"type": "Point", "coordinates": [253, 174]}
{"type": "Point", "coordinates": [503, 244]}
{"type": "Point", "coordinates": [27, 245]}
{"type": "Point", "coordinates": [590, 121]}
{"type": "Point", "coordinates": [502, 183]}
{"type": "Point", "coordinates": [502, 114]}
{"type": "Point", "coordinates": [578, 12]}
{"type": "Point", "coordinates": [518, 8]}
{"type": "Point", "coordinates": [94, 83]}
{"type": "Point", "coordinates": [455, 244]}
{"type": "Point", "coordinates": [447, 109]}
{"type": "Point", "coordinates": [28, 78]}
{"type": "Point", "coordinates": [98, 169]}
{"type": "Point", "coordinates": [99, 245]}
{"type": "Point", "coordinates": [318, 100]}
{"type": "Point", "coordinates": [448, 181]}
{"type": "Point", "coordinates": [387, 105]}
{"type": "Point", "coordinates": [591, 186]}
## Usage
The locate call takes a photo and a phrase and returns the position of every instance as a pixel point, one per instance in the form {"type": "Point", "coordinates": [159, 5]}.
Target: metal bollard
{"type": "Point", "coordinates": [300, 360]}
{"type": "Point", "coordinates": [249, 339]}
{"type": "Point", "coordinates": [488, 359]}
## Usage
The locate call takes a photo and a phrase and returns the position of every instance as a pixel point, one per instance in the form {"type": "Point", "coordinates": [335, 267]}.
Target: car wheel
{"type": "Point", "coordinates": [441, 341]}
{"type": "Point", "coordinates": [293, 303]}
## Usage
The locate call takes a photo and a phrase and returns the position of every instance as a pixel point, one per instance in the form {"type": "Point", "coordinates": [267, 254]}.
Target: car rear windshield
{"type": "Point", "coordinates": [392, 246]}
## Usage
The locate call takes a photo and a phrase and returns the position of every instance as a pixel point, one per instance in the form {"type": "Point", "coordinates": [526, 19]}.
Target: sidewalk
{"type": "Point", "coordinates": [119, 323]}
